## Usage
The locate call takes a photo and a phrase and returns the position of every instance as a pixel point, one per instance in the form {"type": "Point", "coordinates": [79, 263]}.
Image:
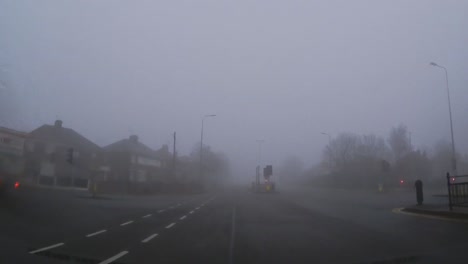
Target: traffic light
{"type": "Point", "coordinates": [267, 171]}
{"type": "Point", "coordinates": [70, 155]}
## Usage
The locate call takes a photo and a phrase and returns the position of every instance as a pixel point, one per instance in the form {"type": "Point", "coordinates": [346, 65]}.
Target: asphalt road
{"type": "Point", "coordinates": [296, 225]}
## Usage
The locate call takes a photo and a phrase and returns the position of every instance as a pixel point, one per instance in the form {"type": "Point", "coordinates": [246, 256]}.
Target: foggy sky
{"type": "Point", "coordinates": [282, 71]}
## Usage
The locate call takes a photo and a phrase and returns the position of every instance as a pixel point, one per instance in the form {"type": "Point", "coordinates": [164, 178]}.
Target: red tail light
{"type": "Point", "coordinates": [17, 184]}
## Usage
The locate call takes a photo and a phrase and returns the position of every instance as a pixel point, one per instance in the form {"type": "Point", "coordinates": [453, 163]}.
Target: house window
{"type": "Point", "coordinates": [6, 140]}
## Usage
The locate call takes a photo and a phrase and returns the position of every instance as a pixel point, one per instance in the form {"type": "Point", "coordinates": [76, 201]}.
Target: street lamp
{"type": "Point", "coordinates": [201, 145]}
{"type": "Point", "coordinates": [454, 160]}
{"type": "Point", "coordinates": [329, 137]}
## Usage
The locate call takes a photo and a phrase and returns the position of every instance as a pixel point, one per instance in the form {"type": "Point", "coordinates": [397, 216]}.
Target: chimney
{"type": "Point", "coordinates": [134, 138]}
{"type": "Point", "coordinates": [58, 123]}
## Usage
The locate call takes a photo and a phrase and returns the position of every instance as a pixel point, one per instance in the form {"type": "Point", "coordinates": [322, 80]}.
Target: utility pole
{"type": "Point", "coordinates": [259, 166]}
{"type": "Point", "coordinates": [454, 159]}
{"type": "Point", "coordinates": [174, 156]}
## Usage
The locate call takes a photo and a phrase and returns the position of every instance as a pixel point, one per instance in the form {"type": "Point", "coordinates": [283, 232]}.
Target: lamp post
{"type": "Point", "coordinates": [329, 137]}
{"type": "Point", "coordinates": [201, 145]}
{"type": "Point", "coordinates": [454, 160]}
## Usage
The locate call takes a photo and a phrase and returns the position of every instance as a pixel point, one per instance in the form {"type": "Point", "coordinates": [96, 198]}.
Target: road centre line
{"type": "Point", "coordinates": [96, 233]}
{"type": "Point", "coordinates": [197, 208]}
{"type": "Point", "coordinates": [160, 211]}
{"type": "Point", "coordinates": [114, 258]}
{"type": "Point", "coordinates": [46, 248]}
{"type": "Point", "coordinates": [126, 223]}
{"type": "Point", "coordinates": [146, 240]}
{"type": "Point", "coordinates": [183, 217]}
{"type": "Point", "coordinates": [191, 212]}
{"type": "Point", "coordinates": [146, 216]}
{"type": "Point", "coordinates": [170, 225]}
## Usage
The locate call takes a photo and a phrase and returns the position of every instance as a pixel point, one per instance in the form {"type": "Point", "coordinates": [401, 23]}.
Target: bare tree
{"type": "Point", "coordinates": [400, 142]}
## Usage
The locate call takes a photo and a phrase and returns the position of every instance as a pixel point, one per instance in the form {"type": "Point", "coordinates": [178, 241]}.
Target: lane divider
{"type": "Point", "coordinates": [146, 240]}
{"type": "Point", "coordinates": [146, 216]}
{"type": "Point", "coordinates": [46, 248]}
{"type": "Point", "coordinates": [114, 258]}
{"type": "Point", "coordinates": [183, 217]}
{"type": "Point", "coordinates": [96, 233]}
{"type": "Point", "coordinates": [126, 223]}
{"type": "Point", "coordinates": [170, 225]}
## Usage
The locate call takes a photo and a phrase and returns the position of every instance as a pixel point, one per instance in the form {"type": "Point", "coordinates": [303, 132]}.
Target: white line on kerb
{"type": "Point", "coordinates": [114, 258]}
{"type": "Point", "coordinates": [149, 238]}
{"type": "Point", "coordinates": [96, 233]}
{"type": "Point", "coordinates": [160, 211]}
{"type": "Point", "coordinates": [171, 225]}
{"type": "Point", "coordinates": [183, 217]}
{"type": "Point", "coordinates": [146, 216]}
{"type": "Point", "coordinates": [191, 212]}
{"type": "Point", "coordinates": [46, 248]}
{"type": "Point", "coordinates": [126, 223]}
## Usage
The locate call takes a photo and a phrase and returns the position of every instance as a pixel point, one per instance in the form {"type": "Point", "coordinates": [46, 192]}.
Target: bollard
{"type": "Point", "coordinates": [419, 191]}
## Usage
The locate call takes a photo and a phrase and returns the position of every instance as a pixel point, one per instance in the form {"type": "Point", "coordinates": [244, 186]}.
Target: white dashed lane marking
{"type": "Point", "coordinates": [146, 240]}
{"type": "Point", "coordinates": [46, 248]}
{"type": "Point", "coordinates": [114, 258]}
{"type": "Point", "coordinates": [146, 216]}
{"type": "Point", "coordinates": [170, 225]}
{"type": "Point", "coordinates": [183, 217]}
{"type": "Point", "coordinates": [96, 233]}
{"type": "Point", "coordinates": [191, 212]}
{"type": "Point", "coordinates": [161, 211]}
{"type": "Point", "coordinates": [197, 208]}
{"type": "Point", "coordinates": [126, 223]}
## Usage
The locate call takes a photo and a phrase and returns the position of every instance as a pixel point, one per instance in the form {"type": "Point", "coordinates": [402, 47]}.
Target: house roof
{"type": "Point", "coordinates": [132, 146]}
{"type": "Point", "coordinates": [13, 132]}
{"type": "Point", "coordinates": [63, 136]}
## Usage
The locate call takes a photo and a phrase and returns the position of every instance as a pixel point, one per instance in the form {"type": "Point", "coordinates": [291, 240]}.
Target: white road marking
{"type": "Point", "coordinates": [197, 208]}
{"type": "Point", "coordinates": [172, 207]}
{"type": "Point", "coordinates": [400, 211]}
{"type": "Point", "coordinates": [146, 240]}
{"type": "Point", "coordinates": [126, 223]}
{"type": "Point", "coordinates": [191, 212]}
{"type": "Point", "coordinates": [96, 233]}
{"type": "Point", "coordinates": [146, 216]}
{"type": "Point", "coordinates": [46, 248]}
{"type": "Point", "coordinates": [160, 211]}
{"type": "Point", "coordinates": [114, 258]}
{"type": "Point", "coordinates": [183, 217]}
{"type": "Point", "coordinates": [171, 225]}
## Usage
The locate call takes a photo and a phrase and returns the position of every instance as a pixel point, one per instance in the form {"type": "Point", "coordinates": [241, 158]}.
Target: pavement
{"type": "Point", "coordinates": [298, 224]}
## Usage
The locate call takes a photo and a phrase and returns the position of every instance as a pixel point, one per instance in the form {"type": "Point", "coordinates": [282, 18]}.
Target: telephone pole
{"type": "Point", "coordinates": [174, 156]}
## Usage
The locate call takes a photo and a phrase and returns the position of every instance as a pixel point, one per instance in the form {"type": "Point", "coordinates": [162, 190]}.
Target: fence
{"type": "Point", "coordinates": [457, 190]}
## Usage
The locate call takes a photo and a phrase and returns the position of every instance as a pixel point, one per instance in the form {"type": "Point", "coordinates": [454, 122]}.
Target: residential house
{"type": "Point", "coordinates": [48, 150]}
{"type": "Point", "coordinates": [12, 151]}
{"type": "Point", "coordinates": [134, 167]}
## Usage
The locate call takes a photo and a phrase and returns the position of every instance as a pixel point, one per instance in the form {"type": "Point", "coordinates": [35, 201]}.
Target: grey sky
{"type": "Point", "coordinates": [283, 71]}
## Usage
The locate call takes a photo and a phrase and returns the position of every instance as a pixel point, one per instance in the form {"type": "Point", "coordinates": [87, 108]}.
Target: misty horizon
{"type": "Point", "coordinates": [280, 72]}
